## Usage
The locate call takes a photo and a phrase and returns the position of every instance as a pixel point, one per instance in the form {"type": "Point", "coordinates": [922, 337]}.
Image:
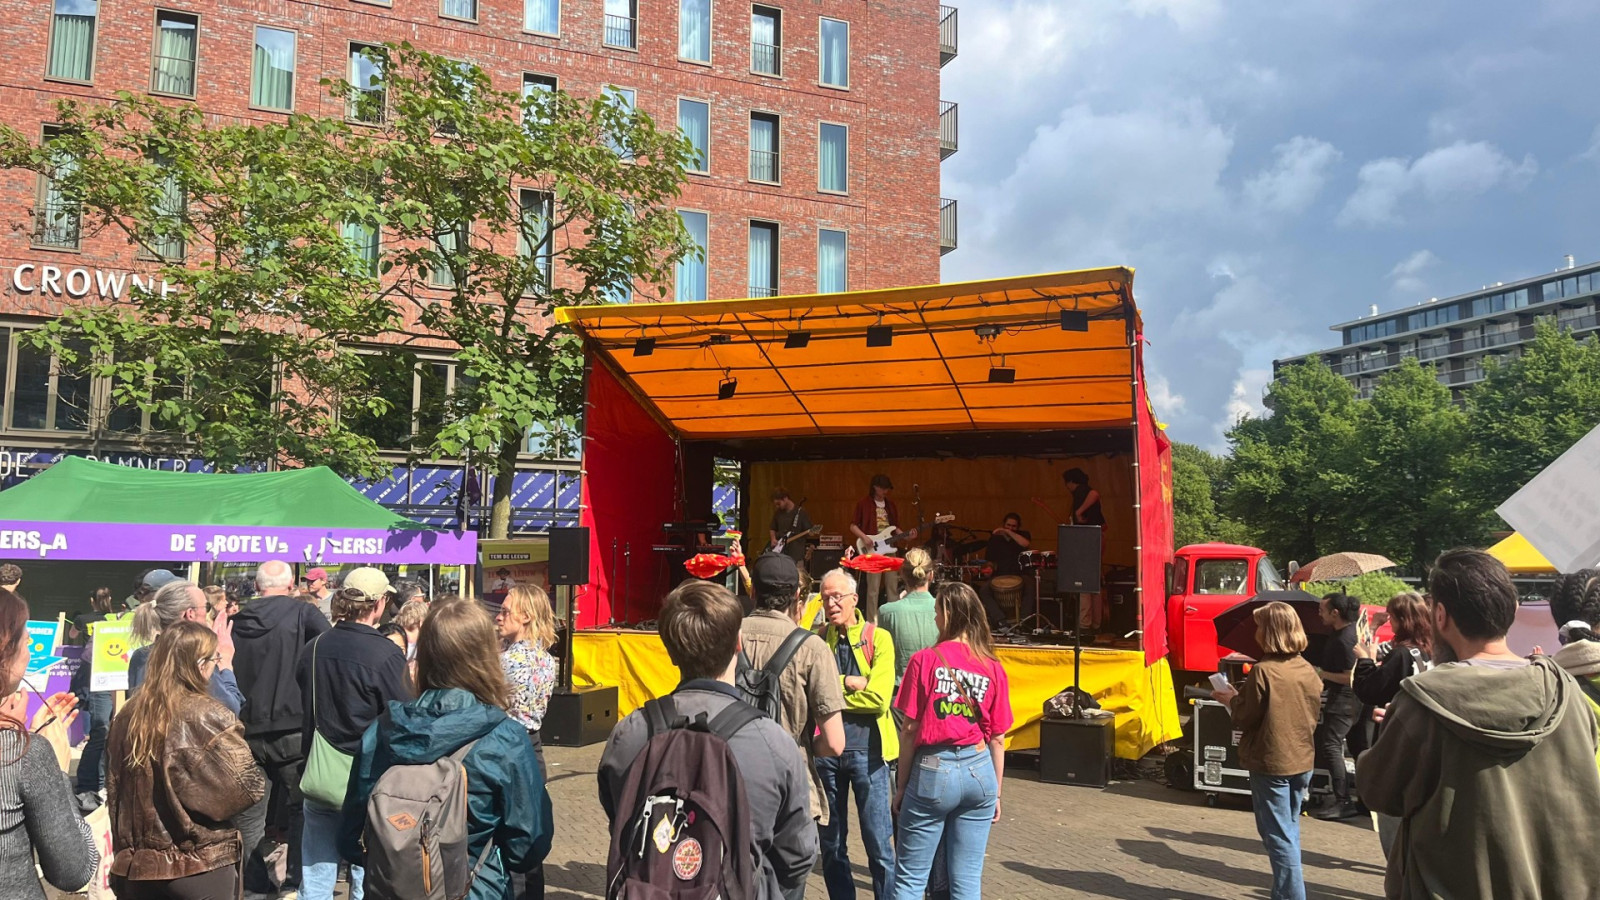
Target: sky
{"type": "Point", "coordinates": [1272, 167]}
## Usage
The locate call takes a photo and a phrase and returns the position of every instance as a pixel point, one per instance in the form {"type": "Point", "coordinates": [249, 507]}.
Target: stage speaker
{"type": "Point", "coordinates": [1076, 751]}
{"type": "Point", "coordinates": [569, 556]}
{"type": "Point", "coordinates": [580, 716]}
{"type": "Point", "coordinates": [824, 561]}
{"type": "Point", "coordinates": [1077, 559]}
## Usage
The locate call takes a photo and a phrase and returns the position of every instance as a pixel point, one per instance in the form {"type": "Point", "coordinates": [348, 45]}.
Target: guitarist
{"type": "Point", "coordinates": [789, 524]}
{"type": "Point", "coordinates": [876, 514]}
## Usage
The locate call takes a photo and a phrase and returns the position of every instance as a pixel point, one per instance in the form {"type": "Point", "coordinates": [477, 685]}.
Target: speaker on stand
{"type": "Point", "coordinates": [583, 715]}
{"type": "Point", "coordinates": [1077, 749]}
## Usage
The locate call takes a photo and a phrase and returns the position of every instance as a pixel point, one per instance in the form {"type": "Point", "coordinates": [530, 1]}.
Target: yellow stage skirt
{"type": "Point", "coordinates": [1141, 697]}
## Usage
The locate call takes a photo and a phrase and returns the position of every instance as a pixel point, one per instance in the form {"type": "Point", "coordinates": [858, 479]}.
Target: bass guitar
{"type": "Point", "coordinates": [883, 543]}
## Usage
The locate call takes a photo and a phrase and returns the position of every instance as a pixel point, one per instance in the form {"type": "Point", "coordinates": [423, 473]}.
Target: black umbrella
{"type": "Point", "coordinates": [1236, 626]}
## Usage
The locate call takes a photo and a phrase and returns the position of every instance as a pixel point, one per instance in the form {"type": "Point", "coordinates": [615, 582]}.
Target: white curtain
{"type": "Point", "coordinates": [72, 40]}
{"type": "Point", "coordinates": [537, 211]}
{"type": "Point", "coordinates": [835, 53]}
{"type": "Point", "coordinates": [274, 69]}
{"type": "Point", "coordinates": [694, 120]}
{"type": "Point", "coordinates": [363, 241]}
{"type": "Point", "coordinates": [58, 216]}
{"type": "Point", "coordinates": [831, 247]}
{"type": "Point", "coordinates": [170, 207]}
{"type": "Point", "coordinates": [542, 15]}
{"type": "Point", "coordinates": [834, 157]}
{"type": "Point", "coordinates": [763, 149]}
{"type": "Point", "coordinates": [175, 55]}
{"type": "Point", "coordinates": [461, 9]}
{"type": "Point", "coordinates": [694, 30]}
{"type": "Point", "coordinates": [691, 270]}
{"type": "Point", "coordinates": [450, 241]}
{"type": "Point", "coordinates": [763, 250]}
{"type": "Point", "coordinates": [764, 43]}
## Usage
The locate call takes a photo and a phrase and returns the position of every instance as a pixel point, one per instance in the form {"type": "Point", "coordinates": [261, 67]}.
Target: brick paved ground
{"type": "Point", "coordinates": [1135, 840]}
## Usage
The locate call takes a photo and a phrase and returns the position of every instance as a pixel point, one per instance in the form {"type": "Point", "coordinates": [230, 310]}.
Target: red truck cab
{"type": "Point", "coordinates": [1205, 580]}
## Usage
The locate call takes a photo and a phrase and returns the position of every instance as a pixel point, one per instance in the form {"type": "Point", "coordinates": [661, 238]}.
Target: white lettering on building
{"type": "Point", "coordinates": [30, 278]}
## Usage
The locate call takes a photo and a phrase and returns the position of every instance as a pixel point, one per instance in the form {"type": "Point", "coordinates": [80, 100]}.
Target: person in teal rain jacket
{"type": "Point", "coordinates": [463, 699]}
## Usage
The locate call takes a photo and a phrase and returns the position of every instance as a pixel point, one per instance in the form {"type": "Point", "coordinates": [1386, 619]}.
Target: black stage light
{"type": "Point", "coordinates": [722, 339]}
{"type": "Point", "coordinates": [1002, 375]}
{"type": "Point", "coordinates": [1074, 320]}
{"type": "Point", "coordinates": [644, 346]}
{"type": "Point", "coordinates": [880, 335]}
{"type": "Point", "coordinates": [797, 340]}
{"type": "Point", "coordinates": [727, 388]}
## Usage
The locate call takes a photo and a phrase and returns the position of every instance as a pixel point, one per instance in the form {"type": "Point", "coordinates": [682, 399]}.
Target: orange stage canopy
{"type": "Point", "coordinates": [933, 376]}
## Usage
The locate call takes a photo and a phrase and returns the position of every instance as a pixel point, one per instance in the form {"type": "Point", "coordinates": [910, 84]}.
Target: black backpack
{"type": "Point", "coordinates": [682, 828]}
{"type": "Point", "coordinates": [763, 687]}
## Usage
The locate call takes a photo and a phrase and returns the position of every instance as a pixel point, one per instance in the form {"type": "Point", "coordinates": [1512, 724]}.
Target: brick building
{"type": "Point", "coordinates": [821, 122]}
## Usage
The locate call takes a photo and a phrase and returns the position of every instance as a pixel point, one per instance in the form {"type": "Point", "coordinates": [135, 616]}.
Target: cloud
{"type": "Point", "coordinates": [1165, 402]}
{"type": "Point", "coordinates": [1405, 279]}
{"type": "Point", "coordinates": [1295, 177]}
{"type": "Point", "coordinates": [1460, 170]}
{"type": "Point", "coordinates": [1245, 398]}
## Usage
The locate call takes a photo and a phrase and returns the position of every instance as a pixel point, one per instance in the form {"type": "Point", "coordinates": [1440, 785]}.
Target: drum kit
{"type": "Point", "coordinates": [953, 547]}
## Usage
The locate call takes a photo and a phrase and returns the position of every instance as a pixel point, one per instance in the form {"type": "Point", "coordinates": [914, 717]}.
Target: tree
{"type": "Point", "coordinates": [433, 217]}
{"type": "Point", "coordinates": [1198, 477]}
{"type": "Point", "coordinates": [1294, 475]}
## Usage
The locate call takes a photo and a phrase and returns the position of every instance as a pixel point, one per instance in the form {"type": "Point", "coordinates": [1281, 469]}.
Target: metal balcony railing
{"type": "Point", "coordinates": [947, 34]}
{"type": "Point", "coordinates": [947, 225]}
{"type": "Point", "coordinates": [766, 59]}
{"type": "Point", "coordinates": [763, 167]}
{"type": "Point", "coordinates": [761, 290]}
{"type": "Point", "coordinates": [57, 225]}
{"type": "Point", "coordinates": [620, 32]}
{"type": "Point", "coordinates": [948, 130]}
{"type": "Point", "coordinates": [369, 106]}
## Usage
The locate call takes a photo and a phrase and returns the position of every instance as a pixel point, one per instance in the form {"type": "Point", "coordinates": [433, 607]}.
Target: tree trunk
{"type": "Point", "coordinates": [506, 472]}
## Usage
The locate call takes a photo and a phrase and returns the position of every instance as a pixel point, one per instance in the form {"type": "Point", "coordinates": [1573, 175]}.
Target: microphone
{"type": "Point", "coordinates": [915, 486]}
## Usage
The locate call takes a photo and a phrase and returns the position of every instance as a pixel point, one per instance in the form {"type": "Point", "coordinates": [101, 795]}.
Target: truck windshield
{"type": "Point", "coordinates": [1221, 576]}
{"type": "Point", "coordinates": [1267, 577]}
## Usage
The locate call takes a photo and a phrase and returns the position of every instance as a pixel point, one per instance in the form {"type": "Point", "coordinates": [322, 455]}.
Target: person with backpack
{"type": "Point", "coordinates": [957, 710]}
{"type": "Point", "coordinates": [348, 677]}
{"type": "Point", "coordinates": [866, 660]}
{"type": "Point", "coordinates": [750, 810]}
{"type": "Point", "coordinates": [455, 740]}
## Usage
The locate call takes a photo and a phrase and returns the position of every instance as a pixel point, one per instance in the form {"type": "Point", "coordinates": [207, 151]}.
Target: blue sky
{"type": "Point", "coordinates": [1272, 167]}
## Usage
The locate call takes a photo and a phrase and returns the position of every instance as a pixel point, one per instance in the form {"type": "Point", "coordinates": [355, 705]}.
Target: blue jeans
{"type": "Point", "coordinates": [1277, 800]}
{"type": "Point", "coordinates": [951, 795]}
{"type": "Point", "coordinates": [865, 771]}
{"type": "Point", "coordinates": [319, 855]}
{"type": "Point", "coordinates": [97, 705]}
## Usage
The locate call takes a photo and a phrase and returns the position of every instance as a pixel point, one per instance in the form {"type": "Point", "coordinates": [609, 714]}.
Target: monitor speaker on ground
{"type": "Point", "coordinates": [1076, 751]}
{"type": "Point", "coordinates": [1077, 559]}
{"type": "Point", "coordinates": [569, 556]}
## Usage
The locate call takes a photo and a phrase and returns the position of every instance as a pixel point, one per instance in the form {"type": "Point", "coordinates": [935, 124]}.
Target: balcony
{"type": "Point", "coordinates": [947, 34]}
{"type": "Point", "coordinates": [620, 32]}
{"type": "Point", "coordinates": [766, 59]}
{"type": "Point", "coordinates": [762, 290]}
{"type": "Point", "coordinates": [57, 224]}
{"type": "Point", "coordinates": [764, 167]}
{"type": "Point", "coordinates": [948, 131]}
{"type": "Point", "coordinates": [947, 226]}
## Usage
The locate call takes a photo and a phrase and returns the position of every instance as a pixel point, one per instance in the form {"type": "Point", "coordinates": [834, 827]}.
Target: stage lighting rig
{"type": "Point", "coordinates": [644, 346]}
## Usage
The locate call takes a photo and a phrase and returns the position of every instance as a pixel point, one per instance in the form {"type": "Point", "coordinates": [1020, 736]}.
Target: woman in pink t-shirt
{"type": "Point", "coordinates": [957, 709]}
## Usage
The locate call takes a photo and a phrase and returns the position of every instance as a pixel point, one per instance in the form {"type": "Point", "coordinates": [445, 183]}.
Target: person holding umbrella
{"type": "Point", "coordinates": [1275, 711]}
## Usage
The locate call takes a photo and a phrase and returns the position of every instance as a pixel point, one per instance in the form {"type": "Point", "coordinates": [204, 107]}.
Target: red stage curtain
{"type": "Point", "coordinates": [1155, 528]}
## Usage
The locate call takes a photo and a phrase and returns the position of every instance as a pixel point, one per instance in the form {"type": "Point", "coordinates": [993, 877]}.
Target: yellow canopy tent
{"type": "Point", "coordinates": [1520, 557]}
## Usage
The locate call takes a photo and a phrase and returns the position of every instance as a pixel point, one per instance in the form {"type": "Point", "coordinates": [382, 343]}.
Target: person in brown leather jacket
{"type": "Point", "coordinates": [179, 770]}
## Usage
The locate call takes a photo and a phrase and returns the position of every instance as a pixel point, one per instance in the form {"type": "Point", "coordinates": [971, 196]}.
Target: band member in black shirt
{"type": "Point", "coordinates": [789, 524]}
{"type": "Point", "coordinates": [1003, 554]}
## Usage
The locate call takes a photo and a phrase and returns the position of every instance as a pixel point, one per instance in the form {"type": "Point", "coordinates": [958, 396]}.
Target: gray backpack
{"type": "Point", "coordinates": [416, 833]}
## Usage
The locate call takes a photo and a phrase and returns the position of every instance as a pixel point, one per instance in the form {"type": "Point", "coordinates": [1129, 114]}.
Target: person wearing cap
{"type": "Point", "coordinates": [149, 582]}
{"type": "Point", "coordinates": [875, 513]}
{"type": "Point", "coordinates": [269, 633]}
{"type": "Point", "coordinates": [317, 586]}
{"type": "Point", "coordinates": [813, 696]}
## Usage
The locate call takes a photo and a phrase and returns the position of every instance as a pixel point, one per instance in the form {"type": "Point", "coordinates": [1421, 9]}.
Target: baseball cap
{"type": "Point", "coordinates": [155, 578]}
{"type": "Point", "coordinates": [773, 571]}
{"type": "Point", "coordinates": [317, 574]}
{"type": "Point", "coordinates": [369, 581]}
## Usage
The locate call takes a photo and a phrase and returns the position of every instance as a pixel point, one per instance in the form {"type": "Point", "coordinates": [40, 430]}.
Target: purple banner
{"type": "Point", "coordinates": [115, 541]}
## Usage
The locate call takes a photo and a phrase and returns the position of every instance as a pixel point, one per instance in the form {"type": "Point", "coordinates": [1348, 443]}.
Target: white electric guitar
{"type": "Point", "coordinates": [883, 543]}
{"type": "Point", "coordinates": [780, 543]}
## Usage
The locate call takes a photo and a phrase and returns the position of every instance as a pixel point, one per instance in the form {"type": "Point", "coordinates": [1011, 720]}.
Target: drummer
{"type": "Point", "coordinates": [1003, 554]}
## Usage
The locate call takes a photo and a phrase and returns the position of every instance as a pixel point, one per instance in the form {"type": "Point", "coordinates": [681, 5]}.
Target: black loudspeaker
{"type": "Point", "coordinates": [1076, 751]}
{"type": "Point", "coordinates": [569, 556]}
{"type": "Point", "coordinates": [824, 561]}
{"type": "Point", "coordinates": [580, 716]}
{"type": "Point", "coordinates": [1077, 559]}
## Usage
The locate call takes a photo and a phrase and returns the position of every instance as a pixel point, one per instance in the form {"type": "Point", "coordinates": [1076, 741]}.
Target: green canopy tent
{"type": "Point", "coordinates": [79, 509]}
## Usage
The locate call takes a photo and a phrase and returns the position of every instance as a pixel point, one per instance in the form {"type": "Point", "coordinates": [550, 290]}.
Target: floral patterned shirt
{"type": "Point", "coordinates": [531, 673]}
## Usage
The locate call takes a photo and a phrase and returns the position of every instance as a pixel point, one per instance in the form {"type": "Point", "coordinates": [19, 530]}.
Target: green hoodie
{"type": "Point", "coordinates": [1492, 771]}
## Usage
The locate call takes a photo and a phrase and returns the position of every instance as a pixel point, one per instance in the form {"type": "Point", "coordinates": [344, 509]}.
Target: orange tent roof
{"type": "Point", "coordinates": [933, 377]}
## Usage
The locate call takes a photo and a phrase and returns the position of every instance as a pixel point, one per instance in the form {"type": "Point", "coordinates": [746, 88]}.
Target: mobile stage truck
{"type": "Point", "coordinates": [979, 394]}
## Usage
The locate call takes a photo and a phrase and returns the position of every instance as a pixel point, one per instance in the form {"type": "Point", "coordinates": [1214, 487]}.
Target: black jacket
{"type": "Point", "coordinates": [268, 634]}
{"type": "Point", "coordinates": [358, 671]}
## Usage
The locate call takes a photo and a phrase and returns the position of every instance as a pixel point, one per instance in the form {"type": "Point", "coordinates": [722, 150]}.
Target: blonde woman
{"type": "Point", "coordinates": [527, 628]}
{"type": "Point", "coordinates": [1276, 712]}
{"type": "Point", "coordinates": [910, 619]}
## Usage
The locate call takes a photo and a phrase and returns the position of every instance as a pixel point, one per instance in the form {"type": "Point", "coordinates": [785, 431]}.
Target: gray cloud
{"type": "Point", "coordinates": [1460, 170]}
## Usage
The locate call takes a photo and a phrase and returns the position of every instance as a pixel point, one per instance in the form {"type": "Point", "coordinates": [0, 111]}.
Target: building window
{"type": "Point", "coordinates": [272, 84]}
{"type": "Point", "coordinates": [363, 241]}
{"type": "Point", "coordinates": [56, 219]}
{"type": "Point", "coordinates": [543, 16]}
{"type": "Point", "coordinates": [833, 158]}
{"type": "Point", "coordinates": [45, 396]}
{"type": "Point", "coordinates": [834, 53]}
{"type": "Point", "coordinates": [694, 120]}
{"type": "Point", "coordinates": [691, 270]}
{"type": "Point", "coordinates": [534, 89]}
{"type": "Point", "coordinates": [832, 262]}
{"type": "Point", "coordinates": [451, 243]}
{"type": "Point", "coordinates": [536, 241]}
{"type": "Point", "coordinates": [166, 241]}
{"type": "Point", "coordinates": [623, 98]}
{"type": "Point", "coordinates": [459, 9]}
{"type": "Point", "coordinates": [620, 18]}
{"type": "Point", "coordinates": [1433, 317]}
{"type": "Point", "coordinates": [763, 259]}
{"type": "Point", "coordinates": [766, 40]}
{"type": "Point", "coordinates": [694, 30]}
{"type": "Point", "coordinates": [177, 48]}
{"type": "Point", "coordinates": [764, 148]}
{"type": "Point", "coordinates": [368, 104]}
{"type": "Point", "coordinates": [72, 40]}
